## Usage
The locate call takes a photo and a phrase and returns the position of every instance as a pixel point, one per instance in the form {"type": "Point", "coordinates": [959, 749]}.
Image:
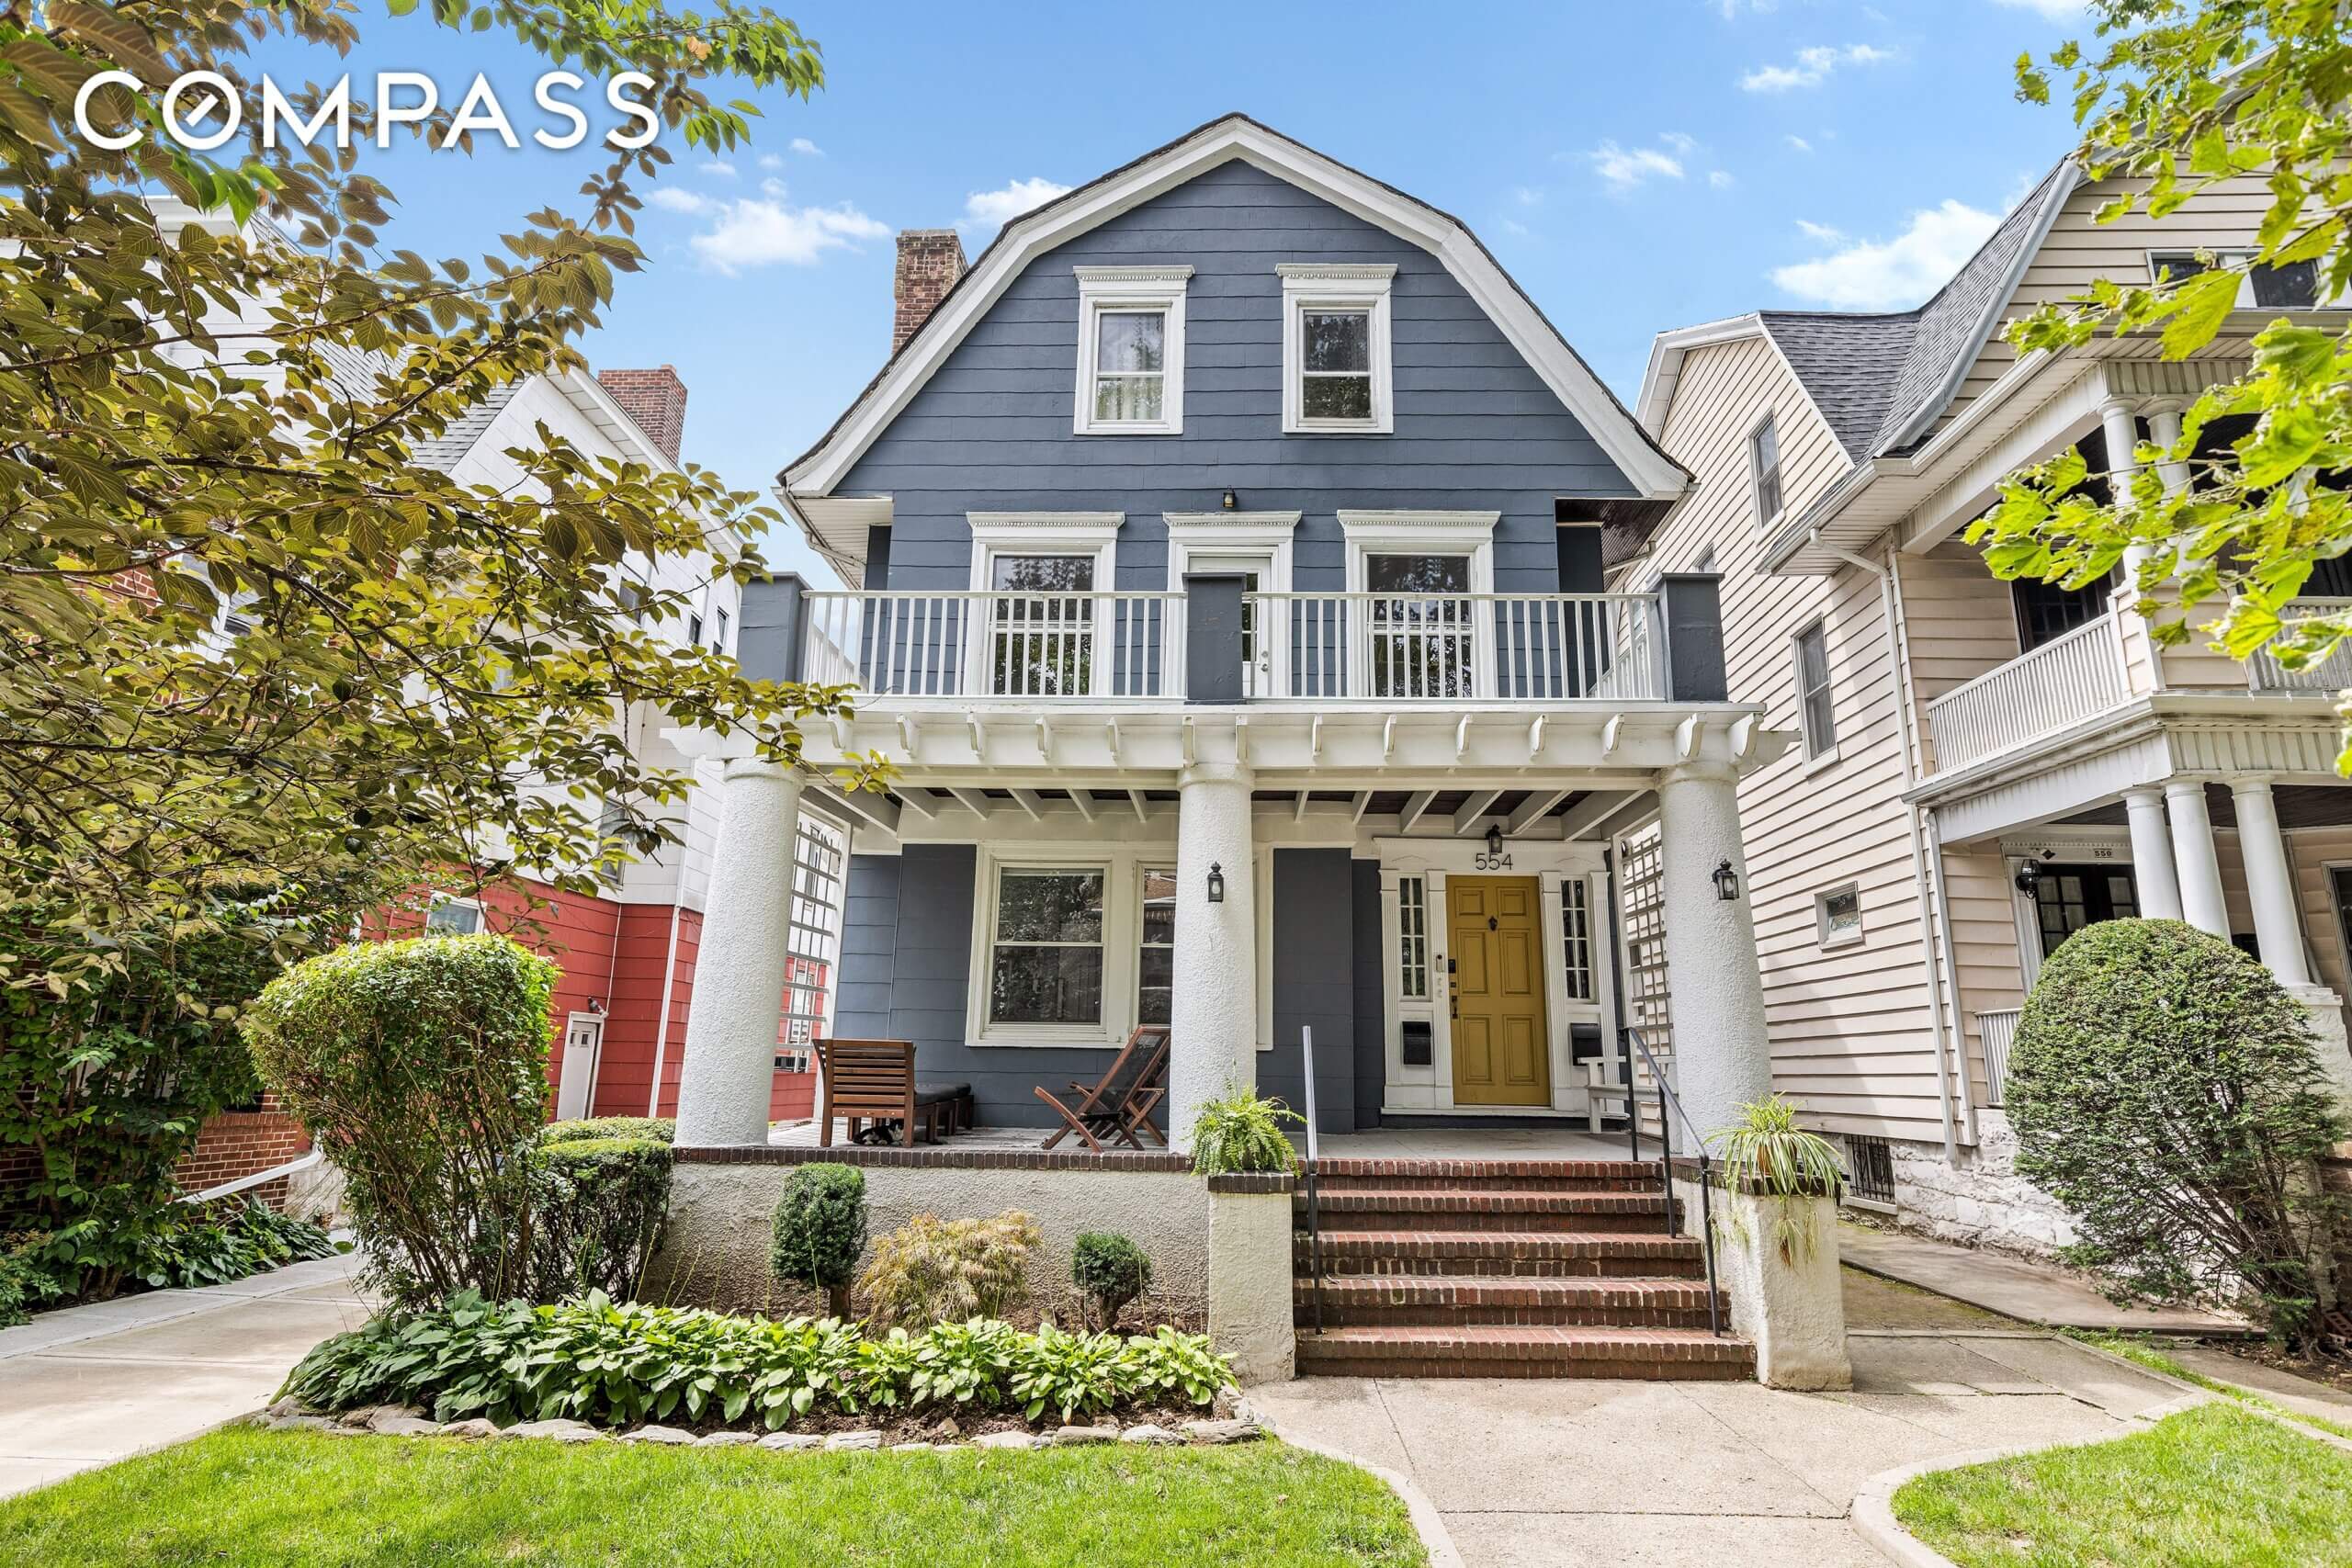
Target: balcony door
{"type": "Point", "coordinates": [1420, 626]}
{"type": "Point", "coordinates": [1041, 626]}
{"type": "Point", "coordinates": [1256, 570]}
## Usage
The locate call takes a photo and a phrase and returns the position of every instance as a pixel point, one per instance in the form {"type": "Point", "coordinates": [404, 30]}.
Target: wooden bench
{"type": "Point", "coordinates": [875, 1080]}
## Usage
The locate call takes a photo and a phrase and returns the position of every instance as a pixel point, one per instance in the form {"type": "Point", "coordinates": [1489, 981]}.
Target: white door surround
{"type": "Point", "coordinates": [583, 1046]}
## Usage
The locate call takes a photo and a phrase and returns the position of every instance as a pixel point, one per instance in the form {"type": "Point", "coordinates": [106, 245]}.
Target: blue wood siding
{"type": "Point", "coordinates": [1476, 427]}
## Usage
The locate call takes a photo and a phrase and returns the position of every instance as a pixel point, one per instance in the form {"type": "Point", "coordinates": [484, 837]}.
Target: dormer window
{"type": "Point", "coordinates": [1131, 350]}
{"type": "Point", "coordinates": [1764, 470]}
{"type": "Point", "coordinates": [1336, 366]}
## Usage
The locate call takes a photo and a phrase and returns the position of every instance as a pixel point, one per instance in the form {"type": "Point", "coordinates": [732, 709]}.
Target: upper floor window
{"type": "Point", "coordinates": [1337, 375]}
{"type": "Point", "coordinates": [1764, 468]}
{"type": "Point", "coordinates": [453, 917]}
{"type": "Point", "coordinates": [2293, 287]}
{"type": "Point", "coordinates": [718, 631]}
{"type": "Point", "coordinates": [1816, 716]}
{"type": "Point", "coordinates": [1131, 350]}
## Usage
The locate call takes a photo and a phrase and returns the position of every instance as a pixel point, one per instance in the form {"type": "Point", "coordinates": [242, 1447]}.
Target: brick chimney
{"type": "Point", "coordinates": [930, 261]}
{"type": "Point", "coordinates": [655, 399]}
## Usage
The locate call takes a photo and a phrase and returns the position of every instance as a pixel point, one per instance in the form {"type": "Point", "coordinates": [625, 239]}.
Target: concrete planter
{"type": "Point", "coordinates": [1792, 1308]}
{"type": "Point", "coordinates": [1249, 1276]}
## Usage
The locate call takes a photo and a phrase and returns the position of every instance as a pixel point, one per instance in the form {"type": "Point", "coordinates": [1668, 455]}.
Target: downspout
{"type": "Point", "coordinates": [1926, 889]}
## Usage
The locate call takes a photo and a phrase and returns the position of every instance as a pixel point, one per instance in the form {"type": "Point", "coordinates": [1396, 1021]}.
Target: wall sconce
{"type": "Point", "coordinates": [2029, 878]}
{"type": "Point", "coordinates": [1726, 883]}
{"type": "Point", "coordinates": [1231, 501]}
{"type": "Point", "coordinates": [1494, 840]}
{"type": "Point", "coordinates": [1217, 883]}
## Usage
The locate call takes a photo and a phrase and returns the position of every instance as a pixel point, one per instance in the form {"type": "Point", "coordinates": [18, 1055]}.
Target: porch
{"type": "Point", "coordinates": [1552, 1144]}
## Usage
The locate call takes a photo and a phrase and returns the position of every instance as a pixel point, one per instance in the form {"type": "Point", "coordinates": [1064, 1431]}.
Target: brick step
{"type": "Point", "coordinates": [1407, 1300]}
{"type": "Point", "coordinates": [1491, 1175]}
{"type": "Point", "coordinates": [1555, 1255]}
{"type": "Point", "coordinates": [1484, 1209]}
{"type": "Point", "coordinates": [1524, 1352]}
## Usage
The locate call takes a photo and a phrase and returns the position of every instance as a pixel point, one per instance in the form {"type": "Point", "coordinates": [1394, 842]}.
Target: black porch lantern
{"type": "Point", "coordinates": [1726, 883]}
{"type": "Point", "coordinates": [1217, 883]}
{"type": "Point", "coordinates": [1230, 502]}
{"type": "Point", "coordinates": [1494, 840]}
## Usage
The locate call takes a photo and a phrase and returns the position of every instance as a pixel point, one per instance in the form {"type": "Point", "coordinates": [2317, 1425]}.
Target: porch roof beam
{"type": "Point", "coordinates": [1027, 800]}
{"type": "Point", "coordinates": [1143, 808]}
{"type": "Point", "coordinates": [1596, 808]}
{"type": "Point", "coordinates": [1415, 805]}
{"type": "Point", "coordinates": [1465, 821]}
{"type": "Point", "coordinates": [973, 801]}
{"type": "Point", "coordinates": [1533, 810]}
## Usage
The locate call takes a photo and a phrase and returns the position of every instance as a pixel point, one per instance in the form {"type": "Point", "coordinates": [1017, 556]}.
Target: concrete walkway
{"type": "Point", "coordinates": [2030, 1293]}
{"type": "Point", "coordinates": [88, 1385]}
{"type": "Point", "coordinates": [1604, 1474]}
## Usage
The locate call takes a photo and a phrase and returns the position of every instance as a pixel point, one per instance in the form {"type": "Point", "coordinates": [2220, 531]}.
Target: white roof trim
{"type": "Point", "coordinates": [1654, 475]}
{"type": "Point", "coordinates": [1667, 351]}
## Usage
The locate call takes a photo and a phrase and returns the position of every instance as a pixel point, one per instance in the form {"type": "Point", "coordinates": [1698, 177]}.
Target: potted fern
{"type": "Point", "coordinates": [1241, 1132]}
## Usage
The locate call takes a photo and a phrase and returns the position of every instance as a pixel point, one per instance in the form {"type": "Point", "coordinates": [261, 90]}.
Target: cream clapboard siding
{"type": "Point", "coordinates": [2310, 850]}
{"type": "Point", "coordinates": [1962, 622]}
{"type": "Point", "coordinates": [2079, 249]}
{"type": "Point", "coordinates": [1851, 1039]}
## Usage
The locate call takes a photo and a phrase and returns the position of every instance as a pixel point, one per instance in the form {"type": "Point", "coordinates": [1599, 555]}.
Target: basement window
{"type": "Point", "coordinates": [1870, 1166]}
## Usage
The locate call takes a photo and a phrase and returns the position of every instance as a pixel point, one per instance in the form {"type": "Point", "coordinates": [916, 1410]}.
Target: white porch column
{"type": "Point", "coordinates": [2119, 419]}
{"type": "Point", "coordinates": [2164, 429]}
{"type": "Point", "coordinates": [2192, 851]}
{"type": "Point", "coordinates": [1213, 1013]}
{"type": "Point", "coordinates": [1722, 1057]}
{"type": "Point", "coordinates": [2151, 868]}
{"type": "Point", "coordinates": [729, 1067]}
{"type": "Point", "coordinates": [2270, 882]}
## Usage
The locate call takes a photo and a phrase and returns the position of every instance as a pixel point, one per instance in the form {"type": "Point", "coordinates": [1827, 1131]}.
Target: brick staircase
{"type": "Point", "coordinates": [1492, 1269]}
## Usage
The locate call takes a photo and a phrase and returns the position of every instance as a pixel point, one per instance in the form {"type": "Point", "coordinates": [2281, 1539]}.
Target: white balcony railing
{"type": "Point", "coordinates": [2331, 674]}
{"type": "Point", "coordinates": [2072, 678]}
{"type": "Point", "coordinates": [1998, 1030]}
{"type": "Point", "coordinates": [1391, 647]}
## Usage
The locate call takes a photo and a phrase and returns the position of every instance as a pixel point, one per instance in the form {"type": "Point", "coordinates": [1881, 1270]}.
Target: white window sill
{"type": "Point", "coordinates": [1369, 428]}
{"type": "Point", "coordinates": [1011, 1039]}
{"type": "Point", "coordinates": [1822, 762]}
{"type": "Point", "coordinates": [1831, 944]}
{"type": "Point", "coordinates": [1157, 427]}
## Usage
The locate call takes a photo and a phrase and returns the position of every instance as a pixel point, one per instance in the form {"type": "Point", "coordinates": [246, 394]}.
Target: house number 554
{"type": "Point", "coordinates": [1491, 862]}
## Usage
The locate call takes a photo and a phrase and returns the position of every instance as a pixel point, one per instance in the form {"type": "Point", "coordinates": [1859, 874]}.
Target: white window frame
{"type": "Point", "coordinates": [1764, 525]}
{"type": "Point", "coordinates": [1267, 534]}
{"type": "Point", "coordinates": [1822, 935]}
{"type": "Point", "coordinates": [1144, 864]}
{"type": "Point", "coordinates": [447, 900]}
{"type": "Point", "coordinates": [1327, 285]}
{"type": "Point", "coordinates": [2243, 258]}
{"type": "Point", "coordinates": [1121, 893]}
{"type": "Point", "coordinates": [1467, 534]}
{"type": "Point", "coordinates": [718, 629]}
{"type": "Point", "coordinates": [1570, 941]}
{"type": "Point", "coordinates": [1132, 288]}
{"type": "Point", "coordinates": [1817, 754]}
{"type": "Point", "coordinates": [998, 534]}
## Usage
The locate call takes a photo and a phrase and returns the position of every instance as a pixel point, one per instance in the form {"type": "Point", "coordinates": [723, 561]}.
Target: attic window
{"type": "Point", "coordinates": [2294, 286]}
{"type": "Point", "coordinates": [1337, 374]}
{"type": "Point", "coordinates": [1131, 350]}
{"type": "Point", "coordinates": [1764, 470]}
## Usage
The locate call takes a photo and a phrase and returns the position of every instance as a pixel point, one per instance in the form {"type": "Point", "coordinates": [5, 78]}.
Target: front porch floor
{"type": "Point", "coordinates": [1381, 1143]}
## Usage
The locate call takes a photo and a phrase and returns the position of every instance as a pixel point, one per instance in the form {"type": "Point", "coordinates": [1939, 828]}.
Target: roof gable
{"type": "Point", "coordinates": [1237, 137]}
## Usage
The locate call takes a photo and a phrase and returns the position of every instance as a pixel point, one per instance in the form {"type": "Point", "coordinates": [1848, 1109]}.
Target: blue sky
{"type": "Point", "coordinates": [1637, 165]}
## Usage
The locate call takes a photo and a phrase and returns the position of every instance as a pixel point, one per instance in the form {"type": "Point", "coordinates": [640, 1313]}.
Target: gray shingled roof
{"type": "Point", "coordinates": [444, 453]}
{"type": "Point", "coordinates": [1880, 379]}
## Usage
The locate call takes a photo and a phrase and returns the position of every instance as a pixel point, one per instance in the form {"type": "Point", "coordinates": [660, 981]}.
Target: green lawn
{"type": "Point", "coordinates": [244, 1495]}
{"type": "Point", "coordinates": [2212, 1485]}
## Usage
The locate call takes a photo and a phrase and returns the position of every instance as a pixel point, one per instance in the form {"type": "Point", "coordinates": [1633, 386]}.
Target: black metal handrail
{"type": "Point", "coordinates": [1313, 1210]}
{"type": "Point", "coordinates": [1667, 1100]}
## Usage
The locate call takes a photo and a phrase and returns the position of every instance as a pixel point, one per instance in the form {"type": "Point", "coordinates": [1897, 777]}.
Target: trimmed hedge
{"type": "Point", "coordinates": [663, 1129]}
{"type": "Point", "coordinates": [597, 1209]}
{"type": "Point", "coordinates": [620, 1363]}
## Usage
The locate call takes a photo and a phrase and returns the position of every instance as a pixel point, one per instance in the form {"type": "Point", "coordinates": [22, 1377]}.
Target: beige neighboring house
{"type": "Point", "coordinates": [1986, 767]}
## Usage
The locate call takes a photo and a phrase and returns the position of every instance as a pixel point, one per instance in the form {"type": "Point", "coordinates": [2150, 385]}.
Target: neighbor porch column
{"type": "Point", "coordinates": [1213, 1013]}
{"type": "Point", "coordinates": [2151, 868]}
{"type": "Point", "coordinates": [1722, 1057]}
{"type": "Point", "coordinates": [2270, 881]}
{"type": "Point", "coordinates": [729, 1067]}
{"type": "Point", "coordinates": [2192, 851]}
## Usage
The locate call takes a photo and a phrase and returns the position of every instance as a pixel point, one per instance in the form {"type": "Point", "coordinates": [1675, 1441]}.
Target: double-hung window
{"type": "Point", "coordinates": [2291, 287]}
{"type": "Point", "coordinates": [1764, 470]}
{"type": "Point", "coordinates": [453, 917]}
{"type": "Point", "coordinates": [1131, 350]}
{"type": "Point", "coordinates": [1816, 715]}
{"type": "Point", "coordinates": [1337, 376]}
{"type": "Point", "coordinates": [1045, 952]}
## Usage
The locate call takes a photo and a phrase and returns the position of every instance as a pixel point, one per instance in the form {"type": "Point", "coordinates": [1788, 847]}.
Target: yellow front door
{"type": "Point", "coordinates": [1501, 1051]}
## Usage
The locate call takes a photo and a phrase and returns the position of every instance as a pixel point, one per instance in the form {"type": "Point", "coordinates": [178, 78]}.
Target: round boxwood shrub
{"type": "Point", "coordinates": [820, 1230]}
{"type": "Point", "coordinates": [420, 1067]}
{"type": "Point", "coordinates": [2167, 1089]}
{"type": "Point", "coordinates": [1111, 1270]}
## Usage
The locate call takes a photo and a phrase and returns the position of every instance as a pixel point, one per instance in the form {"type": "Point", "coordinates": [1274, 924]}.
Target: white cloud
{"type": "Point", "coordinates": [1514, 226]}
{"type": "Point", "coordinates": [762, 232]}
{"type": "Point", "coordinates": [717, 168]}
{"type": "Point", "coordinates": [1800, 143]}
{"type": "Point", "coordinates": [2055, 10]}
{"type": "Point", "coordinates": [1730, 9]}
{"type": "Point", "coordinates": [1891, 275]}
{"type": "Point", "coordinates": [1676, 140]}
{"type": "Point", "coordinates": [1527, 196]}
{"type": "Point", "coordinates": [805, 147]}
{"type": "Point", "coordinates": [770, 160]}
{"type": "Point", "coordinates": [993, 208]}
{"type": "Point", "coordinates": [670, 199]}
{"type": "Point", "coordinates": [1811, 68]}
{"type": "Point", "coordinates": [1721, 179]}
{"type": "Point", "coordinates": [1622, 170]}
{"type": "Point", "coordinates": [1822, 232]}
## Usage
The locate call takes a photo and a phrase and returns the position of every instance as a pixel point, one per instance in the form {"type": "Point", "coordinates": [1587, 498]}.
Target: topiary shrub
{"type": "Point", "coordinates": [597, 1215]}
{"type": "Point", "coordinates": [663, 1129]}
{"type": "Point", "coordinates": [420, 1067]}
{"type": "Point", "coordinates": [820, 1230]}
{"type": "Point", "coordinates": [1243, 1133]}
{"type": "Point", "coordinates": [1111, 1270]}
{"type": "Point", "coordinates": [2166, 1089]}
{"type": "Point", "coordinates": [932, 1270]}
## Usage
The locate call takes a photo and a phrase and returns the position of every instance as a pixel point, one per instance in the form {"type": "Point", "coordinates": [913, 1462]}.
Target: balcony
{"type": "Point", "coordinates": [1319, 647]}
{"type": "Point", "coordinates": [2330, 675]}
{"type": "Point", "coordinates": [2065, 680]}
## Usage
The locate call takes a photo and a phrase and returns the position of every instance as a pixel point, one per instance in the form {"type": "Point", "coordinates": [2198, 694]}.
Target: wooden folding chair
{"type": "Point", "coordinates": [875, 1078]}
{"type": "Point", "coordinates": [1119, 1105]}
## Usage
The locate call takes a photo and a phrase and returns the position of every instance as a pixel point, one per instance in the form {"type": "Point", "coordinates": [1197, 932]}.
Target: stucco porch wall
{"type": "Point", "coordinates": [722, 1204]}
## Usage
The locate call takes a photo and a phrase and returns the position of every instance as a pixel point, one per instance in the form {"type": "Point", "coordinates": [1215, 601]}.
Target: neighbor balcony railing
{"type": "Point", "coordinates": [2069, 679]}
{"type": "Point", "coordinates": [2331, 674]}
{"type": "Point", "coordinates": [1390, 647]}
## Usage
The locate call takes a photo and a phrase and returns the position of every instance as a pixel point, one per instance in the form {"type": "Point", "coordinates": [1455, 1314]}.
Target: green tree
{"type": "Point", "coordinates": [2180, 94]}
{"type": "Point", "coordinates": [418, 668]}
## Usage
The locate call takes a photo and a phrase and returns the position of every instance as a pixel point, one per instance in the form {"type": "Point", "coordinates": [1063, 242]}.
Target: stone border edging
{"type": "Point", "coordinates": [1428, 1523]}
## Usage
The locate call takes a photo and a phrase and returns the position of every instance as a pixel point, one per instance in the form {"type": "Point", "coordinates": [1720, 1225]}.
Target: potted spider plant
{"type": "Point", "coordinates": [1767, 1154]}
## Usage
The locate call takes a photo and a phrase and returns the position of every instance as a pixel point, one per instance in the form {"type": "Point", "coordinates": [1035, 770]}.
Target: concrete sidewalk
{"type": "Point", "coordinates": [2015, 1287]}
{"type": "Point", "coordinates": [1606, 1474]}
{"type": "Point", "coordinates": [88, 1385]}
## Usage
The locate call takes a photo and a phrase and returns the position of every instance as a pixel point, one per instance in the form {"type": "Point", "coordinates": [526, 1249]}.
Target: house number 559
{"type": "Point", "coordinates": [1484, 861]}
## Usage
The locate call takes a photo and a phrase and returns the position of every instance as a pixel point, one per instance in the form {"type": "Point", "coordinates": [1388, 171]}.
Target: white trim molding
{"type": "Point", "coordinates": [1652, 474]}
{"type": "Point", "coordinates": [1334, 287]}
{"type": "Point", "coordinates": [1136, 289]}
{"type": "Point", "coordinates": [1231, 533]}
{"type": "Point", "coordinates": [1048, 533]}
